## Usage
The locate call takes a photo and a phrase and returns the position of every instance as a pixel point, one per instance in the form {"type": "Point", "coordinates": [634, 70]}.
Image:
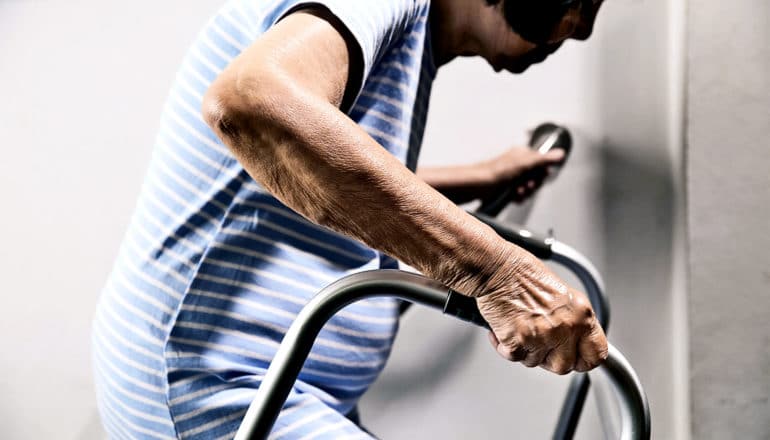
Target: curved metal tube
{"type": "Point", "coordinates": [298, 342]}
{"type": "Point", "coordinates": [633, 404]}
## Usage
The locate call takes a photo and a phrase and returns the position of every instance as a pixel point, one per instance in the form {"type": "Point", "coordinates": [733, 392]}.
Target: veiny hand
{"type": "Point", "coordinates": [521, 167]}
{"type": "Point", "coordinates": [536, 319]}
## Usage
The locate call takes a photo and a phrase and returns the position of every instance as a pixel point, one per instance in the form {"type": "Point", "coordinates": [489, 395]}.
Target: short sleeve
{"type": "Point", "coordinates": [374, 24]}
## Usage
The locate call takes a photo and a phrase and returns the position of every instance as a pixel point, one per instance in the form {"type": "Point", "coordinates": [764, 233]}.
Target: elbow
{"type": "Point", "coordinates": [238, 108]}
{"type": "Point", "coordinates": [225, 111]}
{"type": "Point", "coordinates": [216, 110]}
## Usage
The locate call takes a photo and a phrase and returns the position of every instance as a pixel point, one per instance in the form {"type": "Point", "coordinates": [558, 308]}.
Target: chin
{"type": "Point", "coordinates": [510, 68]}
{"type": "Point", "coordinates": [515, 69]}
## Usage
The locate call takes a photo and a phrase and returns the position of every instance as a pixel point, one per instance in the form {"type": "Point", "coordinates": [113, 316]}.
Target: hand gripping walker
{"type": "Point", "coordinates": [298, 341]}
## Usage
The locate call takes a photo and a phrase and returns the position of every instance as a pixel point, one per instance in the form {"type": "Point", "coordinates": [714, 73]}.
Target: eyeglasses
{"type": "Point", "coordinates": [538, 21]}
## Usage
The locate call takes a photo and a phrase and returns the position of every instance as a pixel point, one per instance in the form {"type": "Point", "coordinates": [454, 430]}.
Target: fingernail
{"type": "Point", "coordinates": [558, 153]}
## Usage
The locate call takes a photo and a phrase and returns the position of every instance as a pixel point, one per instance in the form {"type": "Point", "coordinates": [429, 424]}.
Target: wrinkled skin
{"type": "Point", "coordinates": [277, 108]}
{"type": "Point", "coordinates": [540, 321]}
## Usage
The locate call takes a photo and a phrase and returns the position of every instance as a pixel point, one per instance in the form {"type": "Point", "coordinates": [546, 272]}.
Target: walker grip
{"type": "Point", "coordinates": [464, 308]}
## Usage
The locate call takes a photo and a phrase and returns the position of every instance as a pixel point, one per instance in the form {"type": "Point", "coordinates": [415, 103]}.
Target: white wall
{"type": "Point", "coordinates": [729, 262]}
{"type": "Point", "coordinates": [81, 88]}
{"type": "Point", "coordinates": [82, 84]}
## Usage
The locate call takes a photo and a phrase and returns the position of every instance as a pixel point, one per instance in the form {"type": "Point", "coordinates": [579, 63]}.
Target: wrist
{"type": "Point", "coordinates": [489, 266]}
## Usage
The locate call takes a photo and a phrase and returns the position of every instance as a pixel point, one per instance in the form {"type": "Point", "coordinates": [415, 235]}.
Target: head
{"type": "Point", "coordinates": [514, 34]}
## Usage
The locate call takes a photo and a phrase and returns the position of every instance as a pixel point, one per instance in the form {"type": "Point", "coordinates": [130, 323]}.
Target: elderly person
{"type": "Point", "coordinates": [285, 161]}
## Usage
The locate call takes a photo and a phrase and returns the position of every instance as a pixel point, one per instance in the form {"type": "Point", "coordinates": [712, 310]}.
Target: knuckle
{"type": "Point", "coordinates": [580, 300]}
{"type": "Point", "coordinates": [582, 306]}
{"type": "Point", "coordinates": [585, 310]}
{"type": "Point", "coordinates": [528, 338]}
{"type": "Point", "coordinates": [593, 363]}
{"type": "Point", "coordinates": [530, 364]}
{"type": "Point", "coordinates": [510, 349]}
{"type": "Point", "coordinates": [589, 365]}
{"type": "Point", "coordinates": [518, 354]}
{"type": "Point", "coordinates": [568, 324]}
{"type": "Point", "coordinates": [560, 367]}
{"type": "Point", "coordinates": [604, 353]}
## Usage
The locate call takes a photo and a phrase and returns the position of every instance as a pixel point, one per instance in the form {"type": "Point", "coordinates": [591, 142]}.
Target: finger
{"type": "Point", "coordinates": [527, 194]}
{"type": "Point", "coordinates": [493, 339]}
{"type": "Point", "coordinates": [538, 174]}
{"type": "Point", "coordinates": [562, 359]}
{"type": "Point", "coordinates": [499, 347]}
{"type": "Point", "coordinates": [529, 190]}
{"type": "Point", "coordinates": [521, 194]}
{"type": "Point", "coordinates": [537, 159]}
{"type": "Point", "coordinates": [592, 349]}
{"type": "Point", "coordinates": [519, 354]}
{"type": "Point", "coordinates": [535, 358]}
{"type": "Point", "coordinates": [512, 353]}
{"type": "Point", "coordinates": [554, 156]}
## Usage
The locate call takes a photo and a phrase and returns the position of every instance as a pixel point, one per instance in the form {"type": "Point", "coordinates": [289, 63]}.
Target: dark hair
{"type": "Point", "coordinates": [534, 20]}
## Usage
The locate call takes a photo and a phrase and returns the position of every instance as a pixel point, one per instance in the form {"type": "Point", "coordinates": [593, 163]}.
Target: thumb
{"type": "Point", "coordinates": [554, 156]}
{"type": "Point", "coordinates": [535, 159]}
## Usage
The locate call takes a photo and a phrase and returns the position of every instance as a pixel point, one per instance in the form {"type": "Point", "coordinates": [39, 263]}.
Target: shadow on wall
{"type": "Point", "coordinates": [637, 203]}
{"type": "Point", "coordinates": [639, 195]}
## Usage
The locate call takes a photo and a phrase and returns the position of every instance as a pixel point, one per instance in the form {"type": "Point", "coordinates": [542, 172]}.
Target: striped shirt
{"type": "Point", "coordinates": [213, 269]}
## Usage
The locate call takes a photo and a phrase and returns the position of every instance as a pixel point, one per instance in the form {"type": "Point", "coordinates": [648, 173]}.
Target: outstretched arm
{"type": "Point", "coordinates": [520, 167]}
{"type": "Point", "coordinates": [277, 108]}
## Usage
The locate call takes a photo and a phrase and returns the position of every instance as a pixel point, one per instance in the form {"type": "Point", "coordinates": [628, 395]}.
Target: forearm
{"type": "Point", "coordinates": [460, 184]}
{"type": "Point", "coordinates": [324, 166]}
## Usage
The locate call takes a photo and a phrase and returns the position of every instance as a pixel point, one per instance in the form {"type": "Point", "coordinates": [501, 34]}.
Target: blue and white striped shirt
{"type": "Point", "coordinates": [213, 269]}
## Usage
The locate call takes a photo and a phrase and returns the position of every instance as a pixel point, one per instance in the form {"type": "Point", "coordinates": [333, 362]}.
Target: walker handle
{"type": "Point", "coordinates": [298, 341]}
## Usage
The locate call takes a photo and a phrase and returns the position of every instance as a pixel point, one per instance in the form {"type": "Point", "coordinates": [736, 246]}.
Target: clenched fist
{"type": "Point", "coordinates": [536, 319]}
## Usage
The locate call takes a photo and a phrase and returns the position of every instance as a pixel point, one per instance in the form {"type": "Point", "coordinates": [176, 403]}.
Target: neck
{"type": "Point", "coordinates": [451, 36]}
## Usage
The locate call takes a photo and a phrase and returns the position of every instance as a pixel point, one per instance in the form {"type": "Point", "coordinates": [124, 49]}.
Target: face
{"type": "Point", "coordinates": [506, 50]}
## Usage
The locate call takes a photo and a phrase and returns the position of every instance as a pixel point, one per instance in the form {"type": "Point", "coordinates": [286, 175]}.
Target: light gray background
{"type": "Point", "coordinates": [729, 197]}
{"type": "Point", "coordinates": [82, 83]}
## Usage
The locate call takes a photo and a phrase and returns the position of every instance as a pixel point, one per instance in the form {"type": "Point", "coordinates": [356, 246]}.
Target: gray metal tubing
{"type": "Point", "coordinates": [632, 400]}
{"type": "Point", "coordinates": [298, 341]}
{"type": "Point", "coordinates": [572, 408]}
